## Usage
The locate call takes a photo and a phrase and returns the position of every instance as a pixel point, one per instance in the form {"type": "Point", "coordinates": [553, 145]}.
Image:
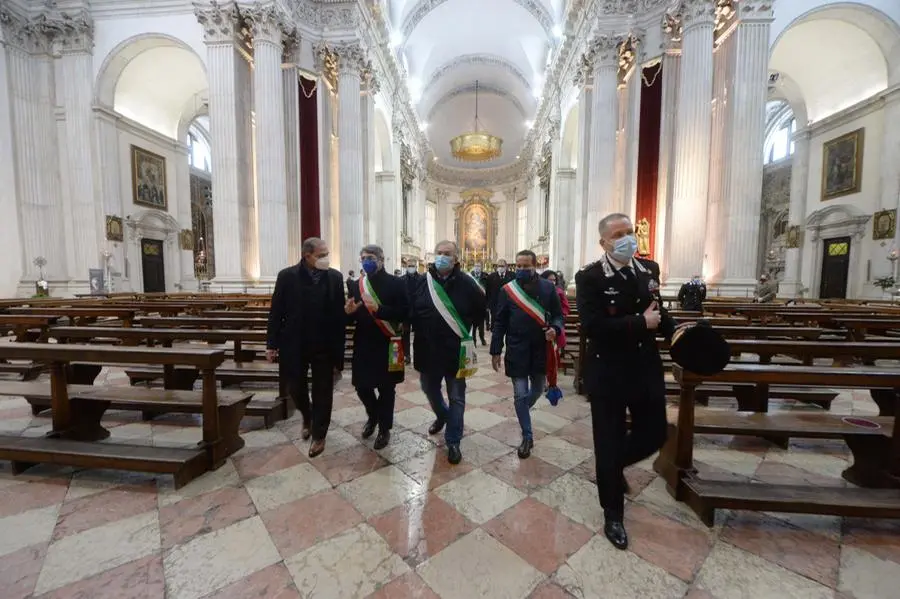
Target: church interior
{"type": "Point", "coordinates": [161, 161]}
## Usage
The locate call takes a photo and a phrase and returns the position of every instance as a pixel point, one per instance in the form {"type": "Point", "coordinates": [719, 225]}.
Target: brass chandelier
{"type": "Point", "coordinates": [476, 145]}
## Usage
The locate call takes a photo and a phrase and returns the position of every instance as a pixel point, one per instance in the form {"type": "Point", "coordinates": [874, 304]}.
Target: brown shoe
{"type": "Point", "coordinates": [316, 447]}
{"type": "Point", "coordinates": [304, 434]}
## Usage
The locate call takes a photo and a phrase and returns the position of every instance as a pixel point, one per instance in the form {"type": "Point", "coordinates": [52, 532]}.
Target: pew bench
{"type": "Point", "coordinates": [78, 409]}
{"type": "Point", "coordinates": [874, 443]}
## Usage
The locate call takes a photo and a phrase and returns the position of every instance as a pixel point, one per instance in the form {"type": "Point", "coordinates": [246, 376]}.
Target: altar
{"type": "Point", "coordinates": [476, 228]}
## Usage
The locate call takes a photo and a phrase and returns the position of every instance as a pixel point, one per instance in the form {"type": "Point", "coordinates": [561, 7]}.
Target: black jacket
{"type": "Point", "coordinates": [526, 344]}
{"type": "Point", "coordinates": [494, 283]}
{"type": "Point", "coordinates": [622, 358]}
{"type": "Point", "coordinates": [288, 329]}
{"type": "Point", "coordinates": [436, 346]}
{"type": "Point", "coordinates": [370, 344]}
{"type": "Point", "coordinates": [691, 296]}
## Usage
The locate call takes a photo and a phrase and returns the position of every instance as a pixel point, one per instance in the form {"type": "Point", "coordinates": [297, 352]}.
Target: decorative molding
{"type": "Point", "coordinates": [470, 89]}
{"type": "Point", "coordinates": [461, 177]}
{"type": "Point", "coordinates": [268, 23]}
{"type": "Point", "coordinates": [630, 7]}
{"type": "Point", "coordinates": [852, 113]}
{"type": "Point", "coordinates": [672, 31]}
{"type": "Point", "coordinates": [220, 21]}
{"type": "Point", "coordinates": [629, 51]}
{"type": "Point", "coordinates": [351, 58]}
{"type": "Point", "coordinates": [49, 32]}
{"type": "Point", "coordinates": [417, 14]}
{"type": "Point", "coordinates": [327, 64]}
{"type": "Point", "coordinates": [467, 60]}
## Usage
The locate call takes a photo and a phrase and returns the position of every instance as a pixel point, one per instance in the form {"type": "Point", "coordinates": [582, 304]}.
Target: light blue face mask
{"type": "Point", "coordinates": [624, 248]}
{"type": "Point", "coordinates": [443, 263]}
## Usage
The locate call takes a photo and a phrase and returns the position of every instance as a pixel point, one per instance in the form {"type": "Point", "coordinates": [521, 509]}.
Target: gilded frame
{"type": "Point", "coordinates": [842, 164]}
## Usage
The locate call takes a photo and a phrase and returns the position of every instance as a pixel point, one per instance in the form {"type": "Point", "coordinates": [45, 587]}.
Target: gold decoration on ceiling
{"type": "Point", "coordinates": [476, 145]}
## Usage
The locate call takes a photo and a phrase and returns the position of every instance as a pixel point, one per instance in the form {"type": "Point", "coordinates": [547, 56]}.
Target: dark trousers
{"type": "Point", "coordinates": [317, 413]}
{"type": "Point", "coordinates": [405, 340]}
{"type": "Point", "coordinates": [379, 408]}
{"type": "Point", "coordinates": [616, 448]}
{"type": "Point", "coordinates": [478, 326]}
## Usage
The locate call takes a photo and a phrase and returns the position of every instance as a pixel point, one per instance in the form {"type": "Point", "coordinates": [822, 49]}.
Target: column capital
{"type": "Point", "coordinates": [697, 12]}
{"type": "Point", "coordinates": [629, 53]}
{"type": "Point", "coordinates": [671, 30]}
{"type": "Point", "coordinates": [755, 10]}
{"type": "Point", "coordinates": [351, 58]}
{"type": "Point", "coordinates": [51, 32]}
{"type": "Point", "coordinates": [269, 23]}
{"type": "Point", "coordinates": [220, 21]}
{"type": "Point", "coordinates": [327, 64]}
{"type": "Point", "coordinates": [604, 49]}
{"type": "Point", "coordinates": [290, 46]}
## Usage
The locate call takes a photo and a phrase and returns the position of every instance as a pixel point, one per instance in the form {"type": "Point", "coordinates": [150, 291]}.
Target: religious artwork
{"type": "Point", "coordinates": [842, 160]}
{"type": "Point", "coordinates": [475, 225]}
{"type": "Point", "coordinates": [186, 239]}
{"type": "Point", "coordinates": [793, 237]}
{"type": "Point", "coordinates": [148, 179]}
{"type": "Point", "coordinates": [114, 228]}
{"type": "Point", "coordinates": [884, 224]}
{"type": "Point", "coordinates": [476, 229]}
{"type": "Point", "coordinates": [97, 282]}
{"type": "Point", "coordinates": [642, 232]}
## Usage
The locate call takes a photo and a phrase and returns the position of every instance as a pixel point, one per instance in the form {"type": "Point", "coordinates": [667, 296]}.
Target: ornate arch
{"type": "Point", "coordinates": [423, 7]}
{"type": "Point", "coordinates": [467, 60]}
{"type": "Point", "coordinates": [470, 89]}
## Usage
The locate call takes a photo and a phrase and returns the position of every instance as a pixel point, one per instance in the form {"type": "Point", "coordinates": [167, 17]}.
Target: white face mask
{"type": "Point", "coordinates": [501, 270]}
{"type": "Point", "coordinates": [411, 269]}
{"type": "Point", "coordinates": [323, 263]}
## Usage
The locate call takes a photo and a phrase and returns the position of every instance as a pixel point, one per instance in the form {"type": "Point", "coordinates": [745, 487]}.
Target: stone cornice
{"type": "Point", "coordinates": [857, 111]}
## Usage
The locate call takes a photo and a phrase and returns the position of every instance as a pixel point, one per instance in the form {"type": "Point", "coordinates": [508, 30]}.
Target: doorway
{"type": "Point", "coordinates": [153, 265]}
{"type": "Point", "coordinates": [835, 268]}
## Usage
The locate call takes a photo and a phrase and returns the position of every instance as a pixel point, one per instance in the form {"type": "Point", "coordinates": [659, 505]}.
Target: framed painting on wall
{"type": "Point", "coordinates": [884, 224]}
{"type": "Point", "coordinates": [148, 179]}
{"type": "Point", "coordinates": [842, 162]}
{"type": "Point", "coordinates": [114, 228]}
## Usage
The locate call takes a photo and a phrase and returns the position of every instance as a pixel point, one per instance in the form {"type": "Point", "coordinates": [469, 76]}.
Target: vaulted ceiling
{"type": "Point", "coordinates": [449, 44]}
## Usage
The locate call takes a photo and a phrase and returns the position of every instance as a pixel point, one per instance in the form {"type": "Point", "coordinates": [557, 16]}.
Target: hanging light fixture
{"type": "Point", "coordinates": [476, 145]}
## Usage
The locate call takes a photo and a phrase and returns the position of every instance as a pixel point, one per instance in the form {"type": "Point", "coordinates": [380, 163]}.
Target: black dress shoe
{"type": "Point", "coordinates": [369, 428]}
{"type": "Point", "coordinates": [382, 439]}
{"type": "Point", "coordinates": [437, 427]}
{"type": "Point", "coordinates": [525, 448]}
{"type": "Point", "coordinates": [615, 532]}
{"type": "Point", "coordinates": [454, 455]}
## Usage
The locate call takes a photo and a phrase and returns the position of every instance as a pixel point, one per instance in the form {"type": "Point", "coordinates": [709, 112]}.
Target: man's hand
{"type": "Point", "coordinates": [495, 362]}
{"type": "Point", "coordinates": [351, 306]}
{"type": "Point", "coordinates": [271, 354]}
{"type": "Point", "coordinates": [550, 334]}
{"type": "Point", "coordinates": [652, 317]}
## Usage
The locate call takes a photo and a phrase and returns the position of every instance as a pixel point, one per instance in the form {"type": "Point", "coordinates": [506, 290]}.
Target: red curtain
{"type": "Point", "coordinates": [309, 159]}
{"type": "Point", "coordinates": [648, 148]}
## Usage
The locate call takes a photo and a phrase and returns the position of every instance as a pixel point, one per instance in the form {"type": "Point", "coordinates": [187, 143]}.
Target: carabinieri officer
{"type": "Point", "coordinates": [620, 311]}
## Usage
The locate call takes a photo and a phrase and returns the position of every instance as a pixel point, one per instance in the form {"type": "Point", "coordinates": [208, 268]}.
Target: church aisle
{"type": "Point", "coordinates": [401, 522]}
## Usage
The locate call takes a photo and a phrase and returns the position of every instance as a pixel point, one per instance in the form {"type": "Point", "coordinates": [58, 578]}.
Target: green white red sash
{"type": "Point", "coordinates": [391, 331]}
{"type": "Point", "coordinates": [477, 282]}
{"type": "Point", "coordinates": [442, 303]}
{"type": "Point", "coordinates": [527, 303]}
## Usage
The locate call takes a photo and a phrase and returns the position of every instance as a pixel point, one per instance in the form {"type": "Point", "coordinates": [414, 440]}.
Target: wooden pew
{"type": "Point", "coordinates": [77, 411]}
{"type": "Point", "coordinates": [26, 327]}
{"type": "Point", "coordinates": [80, 315]}
{"type": "Point", "coordinates": [876, 449]}
{"type": "Point", "coordinates": [199, 322]}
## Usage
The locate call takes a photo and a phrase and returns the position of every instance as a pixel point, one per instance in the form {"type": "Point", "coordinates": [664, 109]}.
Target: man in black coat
{"type": "Point", "coordinates": [306, 332]}
{"type": "Point", "coordinates": [410, 279]}
{"type": "Point", "coordinates": [528, 315]}
{"type": "Point", "coordinates": [444, 305]}
{"type": "Point", "coordinates": [692, 294]}
{"type": "Point", "coordinates": [495, 282]}
{"type": "Point", "coordinates": [478, 326]}
{"type": "Point", "coordinates": [621, 315]}
{"type": "Point", "coordinates": [377, 303]}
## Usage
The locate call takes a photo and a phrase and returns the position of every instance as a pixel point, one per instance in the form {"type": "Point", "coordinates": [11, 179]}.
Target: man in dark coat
{"type": "Point", "coordinates": [445, 303]}
{"type": "Point", "coordinates": [692, 294]}
{"type": "Point", "coordinates": [410, 279]}
{"type": "Point", "coordinates": [621, 315]}
{"type": "Point", "coordinates": [528, 315]}
{"type": "Point", "coordinates": [377, 303]}
{"type": "Point", "coordinates": [495, 282]}
{"type": "Point", "coordinates": [306, 332]}
{"type": "Point", "coordinates": [478, 326]}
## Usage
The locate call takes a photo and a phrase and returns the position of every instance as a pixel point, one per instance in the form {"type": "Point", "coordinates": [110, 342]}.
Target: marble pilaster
{"type": "Point", "coordinates": [671, 72]}
{"type": "Point", "coordinates": [186, 277]}
{"type": "Point", "coordinates": [387, 216]}
{"type": "Point", "coordinates": [109, 182]}
{"type": "Point", "coordinates": [11, 267]}
{"type": "Point", "coordinates": [373, 232]}
{"type": "Point", "coordinates": [268, 25]}
{"type": "Point", "coordinates": [292, 152]}
{"type": "Point", "coordinates": [632, 135]}
{"type": "Point", "coordinates": [719, 165]}
{"type": "Point", "coordinates": [583, 244]}
{"type": "Point", "coordinates": [563, 246]}
{"type": "Point", "coordinates": [601, 199]}
{"type": "Point", "coordinates": [351, 62]}
{"type": "Point", "coordinates": [792, 285]}
{"type": "Point", "coordinates": [227, 128]}
{"type": "Point", "coordinates": [693, 137]}
{"type": "Point", "coordinates": [746, 134]}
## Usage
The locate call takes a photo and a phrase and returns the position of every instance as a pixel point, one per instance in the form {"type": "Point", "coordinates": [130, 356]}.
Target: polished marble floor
{"type": "Point", "coordinates": [402, 523]}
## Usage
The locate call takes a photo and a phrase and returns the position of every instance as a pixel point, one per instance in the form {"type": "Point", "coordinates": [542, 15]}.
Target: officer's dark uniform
{"type": "Point", "coordinates": [692, 295]}
{"type": "Point", "coordinates": [622, 369]}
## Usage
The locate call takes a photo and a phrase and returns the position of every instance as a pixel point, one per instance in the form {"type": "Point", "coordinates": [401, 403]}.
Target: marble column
{"type": "Point", "coordinates": [746, 135]}
{"type": "Point", "coordinates": [186, 277]}
{"type": "Point", "coordinates": [792, 284]}
{"type": "Point", "coordinates": [719, 164]}
{"type": "Point", "coordinates": [583, 244]}
{"type": "Point", "coordinates": [386, 211]}
{"type": "Point", "coordinates": [601, 199]}
{"type": "Point", "coordinates": [267, 25]}
{"type": "Point", "coordinates": [372, 232]}
{"type": "Point", "coordinates": [665, 182]}
{"type": "Point", "coordinates": [227, 129]}
{"type": "Point", "coordinates": [292, 147]}
{"type": "Point", "coordinates": [563, 248]}
{"type": "Point", "coordinates": [632, 131]}
{"type": "Point", "coordinates": [351, 62]}
{"type": "Point", "coordinates": [76, 47]}
{"type": "Point", "coordinates": [11, 257]}
{"type": "Point", "coordinates": [692, 141]}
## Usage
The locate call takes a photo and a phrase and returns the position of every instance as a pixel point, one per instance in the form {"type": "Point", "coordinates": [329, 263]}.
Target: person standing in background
{"type": "Point", "coordinates": [495, 281]}
{"type": "Point", "coordinates": [555, 278]}
{"type": "Point", "coordinates": [306, 333]}
{"type": "Point", "coordinates": [410, 279]}
{"type": "Point", "coordinates": [692, 294]}
{"type": "Point", "coordinates": [478, 326]}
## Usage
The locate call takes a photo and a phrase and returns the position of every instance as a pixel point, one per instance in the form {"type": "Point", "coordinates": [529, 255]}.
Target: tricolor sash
{"type": "Point", "coordinates": [467, 359]}
{"type": "Point", "coordinates": [477, 282]}
{"type": "Point", "coordinates": [528, 304]}
{"type": "Point", "coordinates": [390, 330]}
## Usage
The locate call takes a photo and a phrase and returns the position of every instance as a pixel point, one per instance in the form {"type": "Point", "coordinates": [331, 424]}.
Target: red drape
{"type": "Point", "coordinates": [309, 159]}
{"type": "Point", "coordinates": [648, 148]}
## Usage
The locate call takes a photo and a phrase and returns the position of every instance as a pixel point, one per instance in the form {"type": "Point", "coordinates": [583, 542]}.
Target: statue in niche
{"type": "Point", "coordinates": [642, 232]}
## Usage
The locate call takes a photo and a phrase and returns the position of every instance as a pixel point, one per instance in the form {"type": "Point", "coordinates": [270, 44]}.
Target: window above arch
{"type": "Point", "coordinates": [780, 128]}
{"type": "Point", "coordinates": [199, 152]}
